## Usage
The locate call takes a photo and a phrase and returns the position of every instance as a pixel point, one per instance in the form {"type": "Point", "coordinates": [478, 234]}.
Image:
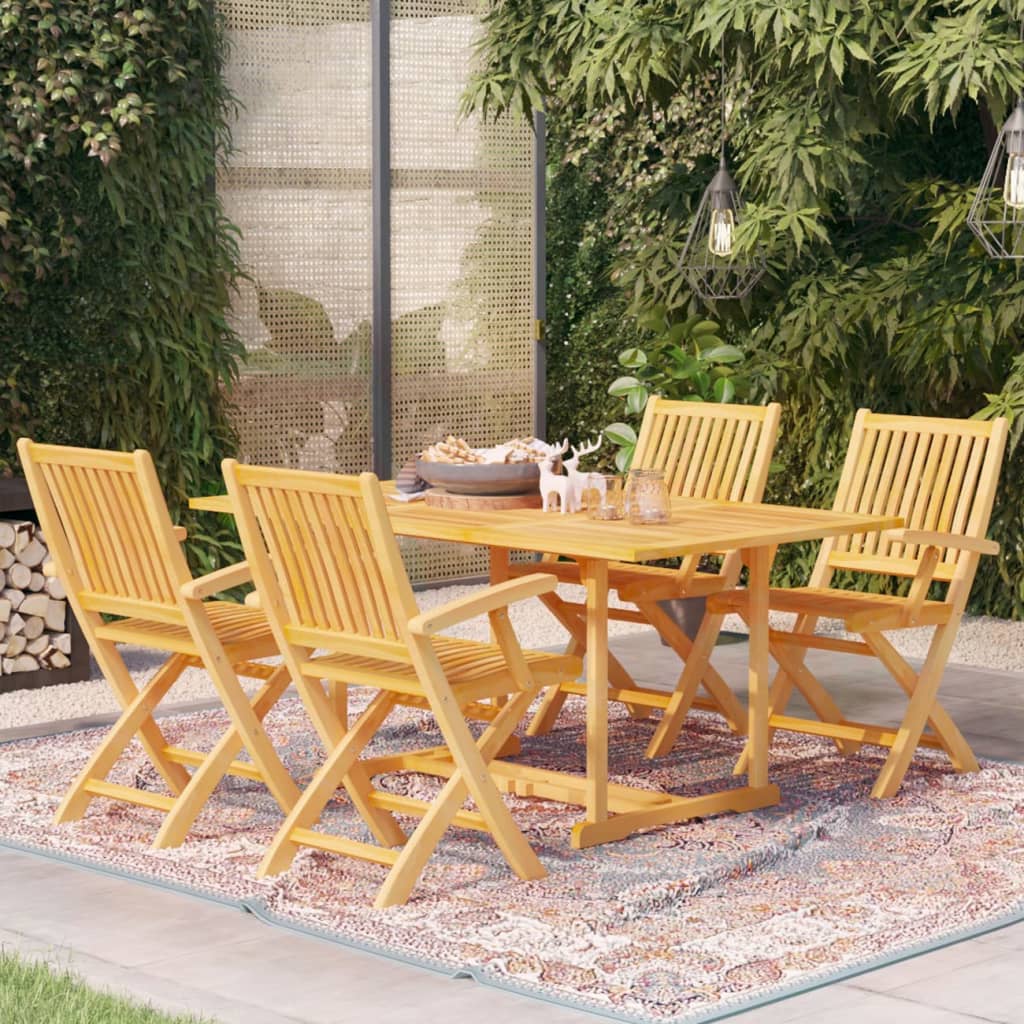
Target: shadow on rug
{"type": "Point", "coordinates": [680, 924]}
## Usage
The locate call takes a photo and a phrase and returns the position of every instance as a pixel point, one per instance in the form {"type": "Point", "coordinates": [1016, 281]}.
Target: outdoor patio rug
{"type": "Point", "coordinates": [680, 924]}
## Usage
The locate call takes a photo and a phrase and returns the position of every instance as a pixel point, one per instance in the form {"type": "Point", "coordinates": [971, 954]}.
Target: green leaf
{"type": "Point", "coordinates": [622, 386]}
{"type": "Point", "coordinates": [636, 400]}
{"type": "Point", "coordinates": [723, 354]}
{"type": "Point", "coordinates": [632, 358]}
{"type": "Point", "coordinates": [620, 434]}
{"type": "Point", "coordinates": [724, 389]}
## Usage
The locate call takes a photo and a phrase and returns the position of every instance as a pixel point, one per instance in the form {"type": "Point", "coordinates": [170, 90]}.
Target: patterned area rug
{"type": "Point", "coordinates": [680, 924]}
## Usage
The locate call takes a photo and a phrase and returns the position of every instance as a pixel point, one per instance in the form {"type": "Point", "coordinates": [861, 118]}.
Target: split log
{"type": "Point", "coordinates": [52, 658]}
{"type": "Point", "coordinates": [37, 646]}
{"type": "Point", "coordinates": [15, 645]}
{"type": "Point", "coordinates": [5, 610]}
{"type": "Point", "coordinates": [56, 616]}
{"type": "Point", "coordinates": [33, 554]}
{"type": "Point", "coordinates": [15, 624]}
{"type": "Point", "coordinates": [55, 589]}
{"type": "Point", "coordinates": [6, 535]}
{"type": "Point", "coordinates": [34, 626]}
{"type": "Point", "coordinates": [6, 557]}
{"type": "Point", "coordinates": [34, 604]}
{"type": "Point", "coordinates": [14, 596]}
{"type": "Point", "coordinates": [62, 641]}
{"type": "Point", "coordinates": [19, 576]}
{"type": "Point", "coordinates": [24, 531]}
{"type": "Point", "coordinates": [37, 582]}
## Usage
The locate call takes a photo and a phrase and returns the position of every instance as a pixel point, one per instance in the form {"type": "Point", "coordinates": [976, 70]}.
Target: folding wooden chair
{"type": "Point", "coordinates": [940, 475]}
{"type": "Point", "coordinates": [330, 578]}
{"type": "Point", "coordinates": [710, 451]}
{"type": "Point", "coordinates": [117, 554]}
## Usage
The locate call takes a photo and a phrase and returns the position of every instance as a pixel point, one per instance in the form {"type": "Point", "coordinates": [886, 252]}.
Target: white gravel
{"type": "Point", "coordinates": [982, 642]}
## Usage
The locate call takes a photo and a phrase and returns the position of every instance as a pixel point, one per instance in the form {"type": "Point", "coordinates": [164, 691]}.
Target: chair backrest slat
{"type": "Point", "coordinates": [709, 450]}
{"type": "Point", "coordinates": [104, 513]}
{"type": "Point", "coordinates": [938, 474]}
{"type": "Point", "coordinates": [324, 544]}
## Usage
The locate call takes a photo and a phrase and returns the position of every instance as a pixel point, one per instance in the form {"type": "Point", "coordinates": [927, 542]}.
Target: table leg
{"type": "Point", "coordinates": [498, 559]}
{"type": "Point", "coordinates": [595, 579]}
{"type": "Point", "coordinates": [759, 562]}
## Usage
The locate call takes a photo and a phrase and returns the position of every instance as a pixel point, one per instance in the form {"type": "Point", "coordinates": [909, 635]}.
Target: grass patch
{"type": "Point", "coordinates": [36, 993]}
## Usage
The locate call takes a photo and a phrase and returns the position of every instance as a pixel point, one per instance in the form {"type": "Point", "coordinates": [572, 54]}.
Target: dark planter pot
{"type": "Point", "coordinates": [686, 612]}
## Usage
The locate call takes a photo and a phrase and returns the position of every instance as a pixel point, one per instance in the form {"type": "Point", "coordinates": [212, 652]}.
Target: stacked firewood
{"type": "Point", "coordinates": [33, 607]}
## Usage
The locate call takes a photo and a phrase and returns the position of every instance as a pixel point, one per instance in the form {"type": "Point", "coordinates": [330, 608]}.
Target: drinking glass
{"type": "Point", "coordinates": [605, 497]}
{"type": "Point", "coordinates": [647, 497]}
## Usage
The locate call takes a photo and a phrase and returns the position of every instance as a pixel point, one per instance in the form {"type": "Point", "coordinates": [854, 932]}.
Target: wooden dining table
{"type": "Point", "coordinates": [613, 811]}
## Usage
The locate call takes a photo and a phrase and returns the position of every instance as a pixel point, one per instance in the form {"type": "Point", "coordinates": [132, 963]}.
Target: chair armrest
{"type": "Point", "coordinates": [488, 600]}
{"type": "Point", "coordinates": [212, 583]}
{"type": "Point", "coordinates": [979, 545]}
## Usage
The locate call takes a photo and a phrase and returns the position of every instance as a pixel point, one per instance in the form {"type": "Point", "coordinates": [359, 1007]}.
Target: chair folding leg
{"type": "Point", "coordinates": [922, 705]}
{"type": "Point", "coordinates": [678, 708]}
{"type": "Point", "coordinates": [725, 701]}
{"type": "Point", "coordinates": [953, 742]}
{"type": "Point", "coordinates": [470, 764]}
{"type": "Point", "coordinates": [136, 719]}
{"type": "Point", "coordinates": [329, 714]}
{"type": "Point", "coordinates": [215, 766]}
{"type": "Point", "coordinates": [332, 772]}
{"type": "Point", "coordinates": [274, 774]}
{"type": "Point", "coordinates": [414, 856]}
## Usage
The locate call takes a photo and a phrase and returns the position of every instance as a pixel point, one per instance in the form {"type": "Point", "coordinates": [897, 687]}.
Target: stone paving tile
{"type": "Point", "coordinates": [993, 989]}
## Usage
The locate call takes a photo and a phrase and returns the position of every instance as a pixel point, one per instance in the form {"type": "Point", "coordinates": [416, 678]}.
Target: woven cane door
{"type": "Point", "coordinates": [461, 245]}
{"type": "Point", "coordinates": [461, 255]}
{"type": "Point", "coordinates": [298, 188]}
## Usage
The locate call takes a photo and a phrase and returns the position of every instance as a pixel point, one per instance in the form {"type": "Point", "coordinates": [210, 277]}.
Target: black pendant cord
{"type": "Point", "coordinates": [721, 89]}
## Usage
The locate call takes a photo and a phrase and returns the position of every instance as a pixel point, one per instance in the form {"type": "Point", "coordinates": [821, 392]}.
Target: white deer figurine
{"type": "Point", "coordinates": [580, 483]}
{"type": "Point", "coordinates": [552, 482]}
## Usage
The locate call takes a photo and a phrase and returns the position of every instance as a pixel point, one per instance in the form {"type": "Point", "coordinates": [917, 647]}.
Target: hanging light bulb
{"type": "Point", "coordinates": [995, 216]}
{"type": "Point", "coordinates": [720, 235]}
{"type": "Point", "coordinates": [1013, 143]}
{"type": "Point", "coordinates": [720, 196]}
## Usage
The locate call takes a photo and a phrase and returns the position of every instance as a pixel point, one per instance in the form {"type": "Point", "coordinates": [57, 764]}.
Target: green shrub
{"type": "Point", "coordinates": [116, 262]}
{"type": "Point", "coordinates": [858, 135]}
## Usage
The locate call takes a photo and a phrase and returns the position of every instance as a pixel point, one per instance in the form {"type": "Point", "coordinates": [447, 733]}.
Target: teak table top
{"type": "Point", "coordinates": [696, 527]}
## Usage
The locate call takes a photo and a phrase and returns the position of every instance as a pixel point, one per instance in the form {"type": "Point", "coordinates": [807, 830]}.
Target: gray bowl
{"type": "Point", "coordinates": [481, 478]}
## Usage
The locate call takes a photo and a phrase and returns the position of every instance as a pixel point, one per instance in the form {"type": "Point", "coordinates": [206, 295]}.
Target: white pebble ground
{"type": "Point", "coordinates": [982, 642]}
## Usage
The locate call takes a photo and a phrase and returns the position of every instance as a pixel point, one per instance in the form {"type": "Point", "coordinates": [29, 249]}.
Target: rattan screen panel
{"type": "Point", "coordinates": [461, 255]}
{"type": "Point", "coordinates": [298, 188]}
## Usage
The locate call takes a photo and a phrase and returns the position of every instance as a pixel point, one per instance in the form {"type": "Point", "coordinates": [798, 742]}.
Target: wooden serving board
{"type": "Point", "coordinates": [438, 498]}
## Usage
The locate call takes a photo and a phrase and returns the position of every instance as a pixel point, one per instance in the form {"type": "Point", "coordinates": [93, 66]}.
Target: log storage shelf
{"type": "Point", "coordinates": [40, 643]}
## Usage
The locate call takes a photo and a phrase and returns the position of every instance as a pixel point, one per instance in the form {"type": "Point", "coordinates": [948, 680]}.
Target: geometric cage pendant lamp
{"type": "Point", "coordinates": [997, 213]}
{"type": "Point", "coordinates": [709, 260]}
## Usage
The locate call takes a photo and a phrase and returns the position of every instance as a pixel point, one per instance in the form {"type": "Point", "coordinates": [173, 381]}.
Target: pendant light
{"type": "Point", "coordinates": [997, 213]}
{"type": "Point", "coordinates": [709, 261]}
